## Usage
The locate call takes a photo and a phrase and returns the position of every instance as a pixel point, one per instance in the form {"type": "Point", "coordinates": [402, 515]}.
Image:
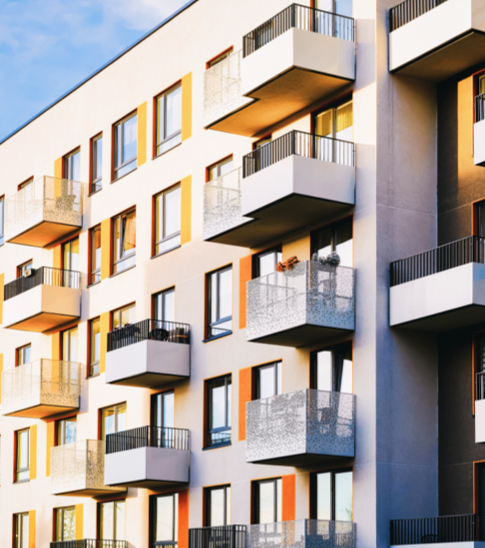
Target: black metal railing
{"type": "Point", "coordinates": [481, 386]}
{"type": "Point", "coordinates": [300, 17]}
{"type": "Point", "coordinates": [463, 528]}
{"type": "Point", "coordinates": [153, 330]}
{"type": "Point", "coordinates": [480, 107]}
{"type": "Point", "coordinates": [89, 543]}
{"type": "Point", "coordinates": [227, 536]}
{"type": "Point", "coordinates": [468, 250]}
{"type": "Point", "coordinates": [298, 143]}
{"type": "Point", "coordinates": [410, 9]}
{"type": "Point", "coordinates": [45, 275]}
{"type": "Point", "coordinates": [148, 436]}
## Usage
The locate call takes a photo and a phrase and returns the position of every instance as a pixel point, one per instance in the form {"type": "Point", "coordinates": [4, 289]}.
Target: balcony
{"type": "Point", "coordinates": [44, 211]}
{"type": "Point", "coordinates": [147, 457]}
{"type": "Point", "coordinates": [225, 536]}
{"type": "Point", "coordinates": [89, 543]}
{"type": "Point", "coordinates": [463, 531]}
{"type": "Point", "coordinates": [150, 353]}
{"type": "Point", "coordinates": [47, 298]}
{"type": "Point", "coordinates": [301, 428]}
{"type": "Point", "coordinates": [308, 304]}
{"type": "Point", "coordinates": [441, 289]}
{"type": "Point", "coordinates": [77, 469]}
{"type": "Point", "coordinates": [287, 184]}
{"type": "Point", "coordinates": [40, 389]}
{"type": "Point", "coordinates": [287, 65]}
{"type": "Point", "coordinates": [479, 131]}
{"type": "Point", "coordinates": [436, 39]}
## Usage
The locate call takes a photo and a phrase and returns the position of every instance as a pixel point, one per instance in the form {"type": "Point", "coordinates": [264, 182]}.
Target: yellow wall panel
{"type": "Point", "coordinates": [142, 134]}
{"type": "Point", "coordinates": [187, 106]}
{"type": "Point", "coordinates": [33, 452]}
{"type": "Point", "coordinates": [104, 329]}
{"type": "Point", "coordinates": [56, 259]}
{"type": "Point", "coordinates": [186, 228]}
{"type": "Point", "coordinates": [56, 346]}
{"type": "Point", "coordinates": [32, 529]}
{"type": "Point", "coordinates": [79, 522]}
{"type": "Point", "coordinates": [58, 168]}
{"type": "Point", "coordinates": [2, 283]}
{"type": "Point", "coordinates": [105, 248]}
{"type": "Point", "coordinates": [49, 445]}
{"type": "Point", "coordinates": [300, 248]}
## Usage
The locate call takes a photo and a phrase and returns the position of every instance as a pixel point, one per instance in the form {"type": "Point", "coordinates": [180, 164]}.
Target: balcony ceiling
{"type": "Point", "coordinates": [43, 234]}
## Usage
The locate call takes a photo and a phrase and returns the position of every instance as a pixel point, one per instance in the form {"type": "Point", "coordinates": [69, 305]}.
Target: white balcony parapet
{"type": "Point", "coordinates": [301, 425]}
{"type": "Point", "coordinates": [41, 388]}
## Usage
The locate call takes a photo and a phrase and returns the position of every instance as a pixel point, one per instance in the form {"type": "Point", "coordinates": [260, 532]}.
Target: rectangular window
{"type": "Point", "coordinates": [124, 241]}
{"type": "Point", "coordinates": [2, 220]}
{"type": "Point", "coordinates": [267, 380]}
{"type": "Point", "coordinates": [265, 262]}
{"type": "Point", "coordinates": [123, 316]}
{"type": "Point", "coordinates": [331, 495]}
{"type": "Point", "coordinates": [168, 218]}
{"type": "Point", "coordinates": [218, 420]}
{"type": "Point", "coordinates": [26, 183]}
{"type": "Point", "coordinates": [336, 238]}
{"type": "Point", "coordinates": [21, 530]}
{"type": "Point", "coordinates": [112, 522]}
{"type": "Point", "coordinates": [23, 354]}
{"type": "Point", "coordinates": [25, 270]}
{"type": "Point", "coordinates": [94, 346]}
{"type": "Point", "coordinates": [95, 255]}
{"type": "Point", "coordinates": [164, 520]}
{"type": "Point", "coordinates": [220, 169]}
{"type": "Point", "coordinates": [169, 119]}
{"type": "Point", "coordinates": [267, 501]}
{"type": "Point", "coordinates": [219, 305]}
{"type": "Point", "coordinates": [22, 452]}
{"type": "Point", "coordinates": [162, 409]}
{"type": "Point", "coordinates": [164, 306]}
{"type": "Point", "coordinates": [69, 345]}
{"type": "Point", "coordinates": [65, 523]}
{"type": "Point", "coordinates": [70, 255]}
{"type": "Point", "coordinates": [220, 58]}
{"type": "Point", "coordinates": [72, 166]}
{"type": "Point", "coordinates": [217, 506]}
{"type": "Point", "coordinates": [113, 419]}
{"type": "Point", "coordinates": [125, 150]}
{"type": "Point", "coordinates": [332, 369]}
{"type": "Point", "coordinates": [96, 163]}
{"type": "Point", "coordinates": [66, 430]}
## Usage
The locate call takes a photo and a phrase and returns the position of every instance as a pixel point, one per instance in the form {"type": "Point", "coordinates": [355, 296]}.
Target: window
{"type": "Point", "coordinates": [23, 354]}
{"type": "Point", "coordinates": [164, 520]}
{"type": "Point", "coordinates": [21, 530]}
{"type": "Point", "coordinates": [96, 163]}
{"type": "Point", "coordinates": [25, 270]}
{"type": "Point", "coordinates": [169, 119]}
{"type": "Point", "coordinates": [27, 182]}
{"type": "Point", "coordinates": [336, 122]}
{"type": "Point", "coordinates": [331, 495]}
{"type": "Point", "coordinates": [220, 58]}
{"type": "Point", "coordinates": [125, 146]}
{"type": "Point", "coordinates": [481, 84]}
{"type": "Point", "coordinates": [123, 316]}
{"type": "Point", "coordinates": [124, 241]}
{"type": "Point", "coordinates": [112, 520]}
{"type": "Point", "coordinates": [65, 523]}
{"type": "Point", "coordinates": [69, 345]}
{"type": "Point", "coordinates": [94, 346]}
{"type": "Point", "coordinates": [332, 369]}
{"type": "Point", "coordinates": [66, 430]}
{"type": "Point", "coordinates": [267, 380]}
{"type": "Point", "coordinates": [217, 506]}
{"type": "Point", "coordinates": [2, 220]}
{"type": "Point", "coordinates": [72, 166]}
{"type": "Point", "coordinates": [95, 255]}
{"type": "Point", "coordinates": [113, 419]}
{"type": "Point", "coordinates": [336, 238]}
{"type": "Point", "coordinates": [162, 409]}
{"type": "Point", "coordinates": [219, 305]}
{"type": "Point", "coordinates": [168, 214]}
{"type": "Point", "coordinates": [221, 168]}
{"type": "Point", "coordinates": [267, 501]}
{"type": "Point", "coordinates": [341, 7]}
{"type": "Point", "coordinates": [265, 263]}
{"type": "Point", "coordinates": [164, 306]}
{"type": "Point", "coordinates": [218, 411]}
{"type": "Point", "coordinates": [70, 255]}
{"type": "Point", "coordinates": [22, 452]}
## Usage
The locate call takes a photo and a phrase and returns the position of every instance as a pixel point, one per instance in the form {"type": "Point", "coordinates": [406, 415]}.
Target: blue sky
{"type": "Point", "coordinates": [48, 46]}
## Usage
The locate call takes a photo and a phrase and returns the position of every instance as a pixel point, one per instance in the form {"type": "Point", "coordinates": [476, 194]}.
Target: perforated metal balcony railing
{"type": "Point", "coordinates": [300, 427]}
{"type": "Point", "coordinates": [41, 388]}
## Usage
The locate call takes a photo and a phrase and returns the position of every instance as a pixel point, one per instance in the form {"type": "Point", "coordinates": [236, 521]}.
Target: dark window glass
{"type": "Point", "coordinates": [168, 218]}
{"type": "Point", "coordinates": [265, 263]}
{"type": "Point", "coordinates": [22, 463]}
{"type": "Point", "coordinates": [219, 306]}
{"type": "Point", "coordinates": [268, 380]}
{"type": "Point", "coordinates": [66, 430]}
{"type": "Point", "coordinates": [219, 411]}
{"type": "Point", "coordinates": [169, 119]}
{"type": "Point", "coordinates": [164, 516]}
{"type": "Point", "coordinates": [96, 163]}
{"type": "Point", "coordinates": [124, 241]}
{"type": "Point", "coordinates": [65, 523]}
{"type": "Point", "coordinates": [125, 146]}
{"type": "Point", "coordinates": [336, 238]}
{"type": "Point", "coordinates": [218, 506]}
{"type": "Point", "coordinates": [267, 502]}
{"type": "Point", "coordinates": [162, 418]}
{"type": "Point", "coordinates": [95, 274]}
{"type": "Point", "coordinates": [332, 369]}
{"type": "Point", "coordinates": [72, 166]}
{"type": "Point", "coordinates": [332, 495]}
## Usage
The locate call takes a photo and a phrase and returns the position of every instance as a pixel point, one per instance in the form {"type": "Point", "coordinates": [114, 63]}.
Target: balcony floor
{"type": "Point", "coordinates": [40, 411]}
{"type": "Point", "coordinates": [302, 336]}
{"type": "Point", "coordinates": [43, 234]}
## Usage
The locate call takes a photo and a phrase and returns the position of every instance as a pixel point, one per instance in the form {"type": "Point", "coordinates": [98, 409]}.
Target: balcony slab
{"type": "Point", "coordinates": [470, 544]}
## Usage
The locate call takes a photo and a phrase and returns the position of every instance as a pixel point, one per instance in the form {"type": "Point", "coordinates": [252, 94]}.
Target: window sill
{"type": "Point", "coordinates": [93, 376]}
{"type": "Point", "coordinates": [217, 337]}
{"type": "Point", "coordinates": [166, 151]}
{"type": "Point", "coordinates": [167, 251]}
{"type": "Point", "coordinates": [123, 271]}
{"type": "Point", "coordinates": [208, 448]}
{"type": "Point", "coordinates": [123, 176]}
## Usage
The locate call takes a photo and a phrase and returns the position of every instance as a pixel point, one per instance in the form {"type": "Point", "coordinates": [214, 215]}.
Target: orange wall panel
{"type": "Point", "coordinates": [244, 397]}
{"type": "Point", "coordinates": [289, 497]}
{"type": "Point", "coordinates": [183, 524]}
{"type": "Point", "coordinates": [245, 272]}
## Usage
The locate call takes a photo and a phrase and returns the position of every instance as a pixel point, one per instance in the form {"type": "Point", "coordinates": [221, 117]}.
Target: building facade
{"type": "Point", "coordinates": [215, 327]}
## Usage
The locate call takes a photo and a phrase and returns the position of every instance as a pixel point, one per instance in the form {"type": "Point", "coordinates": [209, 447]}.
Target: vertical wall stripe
{"type": "Point", "coordinates": [104, 330]}
{"type": "Point", "coordinates": [186, 228]}
{"type": "Point", "coordinates": [49, 445]}
{"type": "Point", "coordinates": [2, 284]}
{"type": "Point", "coordinates": [142, 135]}
{"type": "Point", "coordinates": [289, 497]}
{"type": "Point", "coordinates": [58, 168]}
{"type": "Point", "coordinates": [32, 529]}
{"type": "Point", "coordinates": [187, 106]}
{"type": "Point", "coordinates": [105, 248]}
{"type": "Point", "coordinates": [300, 248]}
{"type": "Point", "coordinates": [1, 372]}
{"type": "Point", "coordinates": [33, 452]}
{"type": "Point", "coordinates": [183, 524]}
{"type": "Point", "coordinates": [56, 259]}
{"type": "Point", "coordinates": [79, 522]}
{"type": "Point", "coordinates": [244, 397]}
{"type": "Point", "coordinates": [245, 274]}
{"type": "Point", "coordinates": [56, 346]}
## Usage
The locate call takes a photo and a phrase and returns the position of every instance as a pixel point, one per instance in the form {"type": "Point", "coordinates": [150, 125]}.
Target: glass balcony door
{"type": "Point", "coordinates": [163, 419]}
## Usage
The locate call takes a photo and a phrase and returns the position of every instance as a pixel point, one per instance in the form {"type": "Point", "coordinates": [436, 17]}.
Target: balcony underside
{"type": "Point", "coordinates": [43, 234]}
{"type": "Point", "coordinates": [284, 96]}
{"type": "Point", "coordinates": [448, 60]}
{"type": "Point", "coordinates": [40, 411]}
{"type": "Point", "coordinates": [90, 492]}
{"type": "Point", "coordinates": [464, 544]}
{"type": "Point", "coordinates": [42, 322]}
{"type": "Point", "coordinates": [152, 484]}
{"type": "Point", "coordinates": [149, 380]}
{"type": "Point", "coordinates": [447, 321]}
{"type": "Point", "coordinates": [302, 335]}
{"type": "Point", "coordinates": [302, 460]}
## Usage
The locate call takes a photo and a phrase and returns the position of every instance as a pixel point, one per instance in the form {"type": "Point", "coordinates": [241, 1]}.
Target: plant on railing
{"type": "Point", "coordinates": [333, 259]}
{"type": "Point", "coordinates": [289, 264]}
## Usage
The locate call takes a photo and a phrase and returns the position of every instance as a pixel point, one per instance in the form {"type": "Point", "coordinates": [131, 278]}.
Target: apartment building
{"type": "Point", "coordinates": [225, 318]}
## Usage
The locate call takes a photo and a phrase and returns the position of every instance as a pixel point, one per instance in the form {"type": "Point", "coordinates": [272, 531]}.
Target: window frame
{"type": "Point", "coordinates": [337, 351]}
{"type": "Point", "coordinates": [57, 425]}
{"type": "Point", "coordinates": [333, 106]}
{"type": "Point", "coordinates": [2, 220]}
{"type": "Point", "coordinates": [99, 513]}
{"type": "Point", "coordinates": [218, 58]}
{"type": "Point", "coordinates": [17, 470]}
{"type": "Point", "coordinates": [120, 311]}
{"type": "Point", "coordinates": [255, 270]}
{"type": "Point", "coordinates": [156, 107]}
{"type": "Point", "coordinates": [117, 261]}
{"type": "Point", "coordinates": [94, 274]}
{"type": "Point", "coordinates": [278, 378]}
{"type": "Point", "coordinates": [124, 163]}
{"type": "Point", "coordinates": [63, 251]}
{"type": "Point", "coordinates": [66, 163]}
{"type": "Point", "coordinates": [155, 296]}
{"type": "Point", "coordinates": [333, 226]}
{"type": "Point", "coordinates": [90, 362]}
{"type": "Point", "coordinates": [156, 215]}
{"type": "Point", "coordinates": [207, 504]}
{"type": "Point", "coordinates": [152, 521]}
{"type": "Point", "coordinates": [102, 410]}
{"type": "Point", "coordinates": [255, 498]}
{"type": "Point", "coordinates": [208, 304]}
{"type": "Point", "coordinates": [313, 490]}
{"type": "Point", "coordinates": [20, 269]}
{"type": "Point", "coordinates": [218, 165]}
{"type": "Point", "coordinates": [61, 342]}
{"type": "Point", "coordinates": [208, 415]}
{"type": "Point", "coordinates": [18, 529]}
{"type": "Point", "coordinates": [25, 183]}
{"type": "Point", "coordinates": [95, 184]}
{"type": "Point", "coordinates": [60, 512]}
{"type": "Point", "coordinates": [18, 354]}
